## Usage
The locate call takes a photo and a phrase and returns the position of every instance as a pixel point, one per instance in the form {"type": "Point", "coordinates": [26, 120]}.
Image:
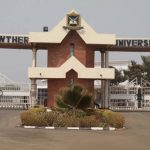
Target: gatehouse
{"type": "Point", "coordinates": [71, 46]}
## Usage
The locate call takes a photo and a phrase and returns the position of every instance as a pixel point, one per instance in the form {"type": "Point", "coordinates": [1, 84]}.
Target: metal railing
{"type": "Point", "coordinates": [15, 87]}
{"type": "Point", "coordinates": [126, 98]}
{"type": "Point", "coordinates": [14, 102]}
{"type": "Point", "coordinates": [14, 96]}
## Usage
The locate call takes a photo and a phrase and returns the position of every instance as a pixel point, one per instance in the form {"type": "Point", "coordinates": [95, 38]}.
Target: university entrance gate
{"type": "Point", "coordinates": [134, 96]}
{"type": "Point", "coordinates": [71, 45]}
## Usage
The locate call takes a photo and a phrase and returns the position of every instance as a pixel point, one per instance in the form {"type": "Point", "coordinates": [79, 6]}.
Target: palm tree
{"type": "Point", "coordinates": [74, 97]}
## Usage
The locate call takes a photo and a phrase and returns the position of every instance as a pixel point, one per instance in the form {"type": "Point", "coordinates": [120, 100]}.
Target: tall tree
{"type": "Point", "coordinates": [146, 67]}
{"type": "Point", "coordinates": [134, 71]}
{"type": "Point", "coordinates": [119, 77]}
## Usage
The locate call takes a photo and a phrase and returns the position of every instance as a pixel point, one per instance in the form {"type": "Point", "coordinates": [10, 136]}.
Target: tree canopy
{"type": "Point", "coordinates": [119, 77]}
{"type": "Point", "coordinates": [135, 70]}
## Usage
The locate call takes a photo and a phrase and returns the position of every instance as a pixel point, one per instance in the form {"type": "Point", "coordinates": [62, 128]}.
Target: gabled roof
{"type": "Point", "coordinates": [58, 33]}
{"type": "Point", "coordinates": [72, 63]}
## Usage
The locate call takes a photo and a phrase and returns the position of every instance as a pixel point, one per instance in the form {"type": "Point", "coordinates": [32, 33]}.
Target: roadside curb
{"type": "Point", "coordinates": [72, 128]}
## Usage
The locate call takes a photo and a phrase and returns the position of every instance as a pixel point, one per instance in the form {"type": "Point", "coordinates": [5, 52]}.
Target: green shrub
{"type": "Point", "coordinates": [90, 111]}
{"type": "Point", "coordinates": [50, 117]}
{"type": "Point", "coordinates": [76, 112]}
{"type": "Point", "coordinates": [90, 118]}
{"type": "Point", "coordinates": [38, 117]}
{"type": "Point", "coordinates": [89, 121]}
{"type": "Point", "coordinates": [37, 110]}
{"type": "Point", "coordinates": [74, 97]}
{"type": "Point", "coordinates": [80, 113]}
{"type": "Point", "coordinates": [33, 119]}
{"type": "Point", "coordinates": [113, 119]}
{"type": "Point", "coordinates": [65, 120]}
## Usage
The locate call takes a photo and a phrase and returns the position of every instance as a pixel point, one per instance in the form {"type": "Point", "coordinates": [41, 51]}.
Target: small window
{"type": "Point", "coordinates": [71, 49]}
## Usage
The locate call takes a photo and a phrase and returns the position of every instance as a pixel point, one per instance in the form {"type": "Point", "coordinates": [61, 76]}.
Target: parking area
{"type": "Point", "coordinates": [136, 136]}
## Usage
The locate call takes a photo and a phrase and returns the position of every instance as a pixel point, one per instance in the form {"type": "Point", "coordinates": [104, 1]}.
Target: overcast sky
{"type": "Point", "coordinates": [125, 18]}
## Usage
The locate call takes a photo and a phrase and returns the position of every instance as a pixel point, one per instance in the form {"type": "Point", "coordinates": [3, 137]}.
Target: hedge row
{"type": "Point", "coordinates": [93, 118]}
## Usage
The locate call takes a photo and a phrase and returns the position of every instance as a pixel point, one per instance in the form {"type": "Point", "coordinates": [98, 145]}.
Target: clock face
{"type": "Point", "coordinates": [73, 21]}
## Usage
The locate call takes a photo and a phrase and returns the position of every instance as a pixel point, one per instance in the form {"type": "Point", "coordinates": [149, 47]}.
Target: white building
{"type": "Point", "coordinates": [13, 95]}
{"type": "Point", "coordinates": [118, 64]}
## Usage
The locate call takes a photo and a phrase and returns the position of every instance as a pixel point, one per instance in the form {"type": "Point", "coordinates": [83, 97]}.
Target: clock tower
{"type": "Point", "coordinates": [71, 45]}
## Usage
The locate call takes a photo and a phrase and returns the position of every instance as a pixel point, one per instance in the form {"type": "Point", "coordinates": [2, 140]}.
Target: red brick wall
{"type": "Point", "coordinates": [89, 56]}
{"type": "Point", "coordinates": [55, 84]}
{"type": "Point", "coordinates": [59, 53]}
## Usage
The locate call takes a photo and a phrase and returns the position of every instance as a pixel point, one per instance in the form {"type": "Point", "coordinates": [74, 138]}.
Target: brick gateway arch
{"type": "Point", "coordinates": [71, 45]}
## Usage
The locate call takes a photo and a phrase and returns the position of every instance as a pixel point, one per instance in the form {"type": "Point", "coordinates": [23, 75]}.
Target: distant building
{"type": "Point", "coordinates": [42, 92]}
{"type": "Point", "coordinates": [118, 64]}
{"type": "Point", "coordinates": [12, 94]}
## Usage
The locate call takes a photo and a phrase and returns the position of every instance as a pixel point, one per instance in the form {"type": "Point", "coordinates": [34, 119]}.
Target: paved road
{"type": "Point", "coordinates": [136, 136]}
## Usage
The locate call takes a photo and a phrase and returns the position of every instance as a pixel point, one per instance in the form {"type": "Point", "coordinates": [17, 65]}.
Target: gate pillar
{"type": "Point", "coordinates": [106, 99]}
{"type": "Point", "coordinates": [104, 83]}
{"type": "Point", "coordinates": [33, 90]}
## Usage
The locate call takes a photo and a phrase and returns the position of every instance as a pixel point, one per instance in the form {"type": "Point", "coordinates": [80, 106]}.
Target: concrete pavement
{"type": "Point", "coordinates": [136, 136]}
